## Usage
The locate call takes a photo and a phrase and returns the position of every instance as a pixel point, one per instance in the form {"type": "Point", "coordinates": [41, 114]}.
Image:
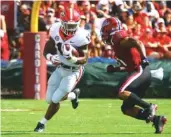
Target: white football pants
{"type": "Point", "coordinates": [61, 82]}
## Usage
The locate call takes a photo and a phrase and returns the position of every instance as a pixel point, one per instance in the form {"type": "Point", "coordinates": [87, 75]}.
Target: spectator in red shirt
{"type": "Point", "coordinates": [150, 44]}
{"type": "Point", "coordinates": [130, 22]}
{"type": "Point", "coordinates": [146, 24]}
{"type": "Point", "coordinates": [163, 8]}
{"type": "Point", "coordinates": [137, 31]}
{"type": "Point", "coordinates": [138, 14]}
{"type": "Point", "coordinates": [164, 42]}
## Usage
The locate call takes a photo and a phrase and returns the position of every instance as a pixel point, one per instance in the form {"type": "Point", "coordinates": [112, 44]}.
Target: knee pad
{"type": "Point", "coordinates": [58, 95]}
{"type": "Point", "coordinates": [124, 95]}
{"type": "Point", "coordinates": [49, 94]}
{"type": "Point", "coordinates": [126, 107]}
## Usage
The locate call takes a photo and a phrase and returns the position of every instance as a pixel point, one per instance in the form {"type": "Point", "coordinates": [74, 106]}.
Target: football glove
{"type": "Point", "coordinates": [53, 58]}
{"type": "Point", "coordinates": [145, 62]}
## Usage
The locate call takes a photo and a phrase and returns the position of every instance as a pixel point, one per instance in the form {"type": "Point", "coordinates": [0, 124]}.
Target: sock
{"type": "Point", "coordinates": [138, 101]}
{"type": "Point", "coordinates": [44, 121]}
{"type": "Point", "coordinates": [71, 96]}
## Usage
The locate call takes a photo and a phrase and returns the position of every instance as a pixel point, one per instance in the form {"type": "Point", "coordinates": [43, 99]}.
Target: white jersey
{"type": "Point", "coordinates": [81, 38]}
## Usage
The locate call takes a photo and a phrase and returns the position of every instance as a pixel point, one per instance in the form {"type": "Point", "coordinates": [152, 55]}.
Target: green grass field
{"type": "Point", "coordinates": [93, 118]}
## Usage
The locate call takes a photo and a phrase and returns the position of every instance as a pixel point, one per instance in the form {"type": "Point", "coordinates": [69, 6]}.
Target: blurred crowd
{"type": "Point", "coordinates": [146, 20]}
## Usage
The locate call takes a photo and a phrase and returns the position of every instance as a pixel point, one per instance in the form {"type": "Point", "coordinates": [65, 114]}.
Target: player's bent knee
{"type": "Point", "coordinates": [124, 95]}
{"type": "Point", "coordinates": [58, 95]}
{"type": "Point", "coordinates": [49, 94]}
{"type": "Point", "coordinates": [121, 96]}
{"type": "Point", "coordinates": [49, 100]}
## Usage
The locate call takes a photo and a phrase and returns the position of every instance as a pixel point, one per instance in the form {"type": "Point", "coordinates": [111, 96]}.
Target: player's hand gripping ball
{"type": "Point", "coordinates": [68, 51]}
{"type": "Point", "coordinates": [55, 59]}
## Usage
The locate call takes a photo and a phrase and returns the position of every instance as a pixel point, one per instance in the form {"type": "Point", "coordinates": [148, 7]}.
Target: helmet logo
{"type": "Point", "coordinates": [105, 23]}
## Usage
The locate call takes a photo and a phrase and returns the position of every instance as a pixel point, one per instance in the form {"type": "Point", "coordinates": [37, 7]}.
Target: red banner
{"type": "Point", "coordinates": [35, 71]}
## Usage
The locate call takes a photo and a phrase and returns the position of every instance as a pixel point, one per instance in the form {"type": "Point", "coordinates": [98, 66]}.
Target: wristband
{"type": "Point", "coordinates": [49, 56]}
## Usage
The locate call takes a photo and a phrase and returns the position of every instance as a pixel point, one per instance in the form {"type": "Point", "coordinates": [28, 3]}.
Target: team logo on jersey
{"type": "Point", "coordinates": [62, 14]}
{"type": "Point", "coordinates": [57, 38]}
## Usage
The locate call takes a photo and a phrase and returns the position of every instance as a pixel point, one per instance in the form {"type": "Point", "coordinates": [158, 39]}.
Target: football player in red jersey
{"type": "Point", "coordinates": [131, 89]}
{"type": "Point", "coordinates": [64, 36]}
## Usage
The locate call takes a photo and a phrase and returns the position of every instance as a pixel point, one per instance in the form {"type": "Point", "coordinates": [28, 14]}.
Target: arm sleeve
{"type": "Point", "coordinates": [49, 47]}
{"type": "Point", "coordinates": [133, 43]}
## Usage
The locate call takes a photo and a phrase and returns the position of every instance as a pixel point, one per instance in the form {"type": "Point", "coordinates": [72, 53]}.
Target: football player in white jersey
{"type": "Point", "coordinates": [69, 68]}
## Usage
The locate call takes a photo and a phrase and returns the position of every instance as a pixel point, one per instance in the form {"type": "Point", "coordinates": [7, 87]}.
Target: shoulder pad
{"type": "Point", "coordinates": [54, 29]}
{"type": "Point", "coordinates": [83, 37]}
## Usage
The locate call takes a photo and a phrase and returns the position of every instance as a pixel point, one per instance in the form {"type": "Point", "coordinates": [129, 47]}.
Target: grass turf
{"type": "Point", "coordinates": [93, 118]}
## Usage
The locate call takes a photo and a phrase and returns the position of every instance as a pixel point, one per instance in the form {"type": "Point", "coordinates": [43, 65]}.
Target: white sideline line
{"type": "Point", "coordinates": [14, 110]}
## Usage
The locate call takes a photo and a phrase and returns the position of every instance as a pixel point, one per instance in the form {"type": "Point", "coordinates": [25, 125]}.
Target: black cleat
{"type": "Point", "coordinates": [158, 123]}
{"type": "Point", "coordinates": [40, 127]}
{"type": "Point", "coordinates": [75, 101]}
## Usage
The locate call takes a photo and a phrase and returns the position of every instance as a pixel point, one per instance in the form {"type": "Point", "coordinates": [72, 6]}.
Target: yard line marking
{"type": "Point", "coordinates": [20, 110]}
{"type": "Point", "coordinates": [14, 110]}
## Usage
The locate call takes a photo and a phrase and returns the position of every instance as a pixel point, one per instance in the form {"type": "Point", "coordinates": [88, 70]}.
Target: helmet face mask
{"type": "Point", "coordinates": [106, 38]}
{"type": "Point", "coordinates": [109, 27]}
{"type": "Point", "coordinates": [69, 28]}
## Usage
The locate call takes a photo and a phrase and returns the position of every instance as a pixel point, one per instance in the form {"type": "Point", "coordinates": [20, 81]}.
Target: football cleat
{"type": "Point", "coordinates": [151, 112]}
{"type": "Point", "coordinates": [75, 101]}
{"type": "Point", "coordinates": [153, 109]}
{"type": "Point", "coordinates": [158, 123]}
{"type": "Point", "coordinates": [40, 127]}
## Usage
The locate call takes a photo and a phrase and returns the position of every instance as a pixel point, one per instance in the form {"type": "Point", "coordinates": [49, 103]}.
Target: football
{"type": "Point", "coordinates": [74, 51]}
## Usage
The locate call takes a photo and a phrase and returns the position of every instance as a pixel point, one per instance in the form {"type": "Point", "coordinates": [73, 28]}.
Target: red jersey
{"type": "Point", "coordinates": [145, 39]}
{"type": "Point", "coordinates": [125, 52]}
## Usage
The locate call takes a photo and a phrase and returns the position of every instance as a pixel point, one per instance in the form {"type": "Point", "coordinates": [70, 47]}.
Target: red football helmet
{"type": "Point", "coordinates": [69, 21]}
{"type": "Point", "coordinates": [109, 27]}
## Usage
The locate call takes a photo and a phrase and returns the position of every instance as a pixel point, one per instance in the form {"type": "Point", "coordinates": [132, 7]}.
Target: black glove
{"type": "Point", "coordinates": [145, 62]}
{"type": "Point", "coordinates": [111, 68]}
